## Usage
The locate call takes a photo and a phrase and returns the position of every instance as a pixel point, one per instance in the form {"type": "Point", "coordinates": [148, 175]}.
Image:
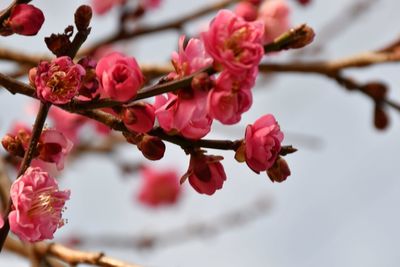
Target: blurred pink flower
{"type": "Point", "coordinates": [246, 10]}
{"type": "Point", "coordinates": [233, 42]}
{"type": "Point", "coordinates": [275, 15]}
{"type": "Point", "coordinates": [262, 143]}
{"type": "Point", "coordinates": [102, 6]}
{"type": "Point", "coordinates": [25, 20]}
{"type": "Point", "coordinates": [159, 187]}
{"type": "Point", "coordinates": [57, 81]}
{"type": "Point", "coordinates": [54, 147]}
{"type": "Point", "coordinates": [37, 206]}
{"type": "Point", "coordinates": [119, 76]}
{"type": "Point", "coordinates": [150, 4]}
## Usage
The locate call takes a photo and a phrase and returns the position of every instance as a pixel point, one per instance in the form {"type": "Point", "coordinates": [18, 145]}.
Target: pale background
{"type": "Point", "coordinates": [339, 207]}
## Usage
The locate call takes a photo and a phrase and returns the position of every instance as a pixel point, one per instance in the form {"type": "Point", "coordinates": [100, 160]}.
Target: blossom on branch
{"type": "Point", "coordinates": [37, 206]}
{"type": "Point", "coordinates": [24, 19]}
{"type": "Point", "coordinates": [139, 117]}
{"type": "Point", "coordinates": [234, 43]}
{"type": "Point", "coordinates": [57, 81]}
{"type": "Point", "coordinates": [102, 6]}
{"type": "Point", "coordinates": [120, 76]}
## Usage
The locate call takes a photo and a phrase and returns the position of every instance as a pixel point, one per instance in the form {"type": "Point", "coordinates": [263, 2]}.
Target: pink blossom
{"type": "Point", "coordinates": [37, 206]}
{"type": "Point", "coordinates": [159, 187]}
{"type": "Point", "coordinates": [67, 123]}
{"type": "Point", "coordinates": [275, 15]}
{"type": "Point", "coordinates": [189, 59]}
{"type": "Point", "coordinates": [58, 81]}
{"type": "Point", "coordinates": [185, 115]}
{"type": "Point", "coordinates": [54, 147]}
{"type": "Point", "coordinates": [102, 6]}
{"type": "Point", "coordinates": [231, 96]}
{"type": "Point", "coordinates": [206, 173]}
{"type": "Point", "coordinates": [25, 20]}
{"type": "Point", "coordinates": [246, 10]}
{"type": "Point", "coordinates": [139, 118]}
{"type": "Point", "coordinates": [1, 221]}
{"type": "Point", "coordinates": [233, 42]}
{"type": "Point", "coordinates": [120, 76]}
{"type": "Point", "coordinates": [262, 143]}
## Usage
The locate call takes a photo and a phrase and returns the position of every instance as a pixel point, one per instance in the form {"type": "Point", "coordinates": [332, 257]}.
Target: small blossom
{"type": "Point", "coordinates": [24, 19]}
{"type": "Point", "coordinates": [37, 206]}
{"type": "Point", "coordinates": [206, 173]}
{"type": "Point", "coordinates": [58, 81]}
{"type": "Point", "coordinates": [139, 118]}
{"type": "Point", "coordinates": [231, 96]}
{"type": "Point", "coordinates": [54, 147]}
{"type": "Point", "coordinates": [184, 114]}
{"type": "Point", "coordinates": [246, 10]}
{"type": "Point", "coordinates": [159, 187]}
{"type": "Point", "coordinates": [150, 4]}
{"type": "Point", "coordinates": [120, 76]}
{"type": "Point", "coordinates": [275, 15]}
{"type": "Point", "coordinates": [262, 143]}
{"type": "Point", "coordinates": [189, 59]}
{"type": "Point", "coordinates": [233, 42]}
{"type": "Point", "coordinates": [102, 6]}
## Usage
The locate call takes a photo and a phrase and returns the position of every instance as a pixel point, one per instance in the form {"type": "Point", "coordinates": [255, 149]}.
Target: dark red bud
{"type": "Point", "coordinates": [279, 171]}
{"type": "Point", "coordinates": [153, 148]}
{"type": "Point", "coordinates": [381, 119]}
{"type": "Point", "coordinates": [83, 15]}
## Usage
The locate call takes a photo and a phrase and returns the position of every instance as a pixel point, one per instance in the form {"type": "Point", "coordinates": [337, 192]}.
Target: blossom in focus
{"type": "Point", "coordinates": [189, 59]}
{"type": "Point", "coordinates": [262, 143]}
{"type": "Point", "coordinates": [184, 114]}
{"type": "Point", "coordinates": [205, 173]}
{"type": "Point", "coordinates": [54, 147]}
{"type": "Point", "coordinates": [275, 15]}
{"type": "Point", "coordinates": [24, 19]}
{"type": "Point", "coordinates": [37, 206]}
{"type": "Point", "coordinates": [57, 81]}
{"type": "Point", "coordinates": [139, 117]}
{"type": "Point", "coordinates": [233, 42]}
{"type": "Point", "coordinates": [159, 187]}
{"type": "Point", "coordinates": [120, 76]}
{"type": "Point", "coordinates": [102, 6]}
{"type": "Point", "coordinates": [231, 96]}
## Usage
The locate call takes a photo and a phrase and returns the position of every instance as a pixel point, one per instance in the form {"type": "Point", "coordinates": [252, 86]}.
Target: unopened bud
{"type": "Point", "coordinates": [25, 20]}
{"type": "Point", "coordinates": [139, 118]}
{"type": "Point", "coordinates": [13, 145]}
{"type": "Point", "coordinates": [381, 119]}
{"type": "Point", "coordinates": [240, 154]}
{"type": "Point", "coordinates": [279, 171]}
{"type": "Point", "coordinates": [302, 36]}
{"type": "Point", "coordinates": [153, 148]}
{"type": "Point", "coordinates": [83, 15]}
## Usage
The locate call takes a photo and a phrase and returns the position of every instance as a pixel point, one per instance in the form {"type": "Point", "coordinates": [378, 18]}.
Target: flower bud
{"type": "Point", "coordinates": [303, 36]}
{"type": "Point", "coordinates": [279, 171]}
{"type": "Point", "coordinates": [381, 119]}
{"type": "Point", "coordinates": [83, 15]}
{"type": "Point", "coordinates": [13, 145]}
{"type": "Point", "coordinates": [153, 148]}
{"type": "Point", "coordinates": [139, 118]}
{"type": "Point", "coordinates": [25, 19]}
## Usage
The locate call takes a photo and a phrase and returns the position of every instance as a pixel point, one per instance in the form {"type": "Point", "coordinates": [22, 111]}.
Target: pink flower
{"type": "Point", "coordinates": [102, 6]}
{"type": "Point", "coordinates": [1, 221]}
{"type": "Point", "coordinates": [59, 81]}
{"type": "Point", "coordinates": [25, 20]}
{"type": "Point", "coordinates": [233, 42]}
{"type": "Point", "coordinates": [231, 96]}
{"type": "Point", "coordinates": [120, 76]}
{"type": "Point", "coordinates": [54, 147]}
{"type": "Point", "coordinates": [262, 143]}
{"type": "Point", "coordinates": [37, 206]}
{"type": "Point", "coordinates": [246, 10]}
{"type": "Point", "coordinates": [184, 114]}
{"type": "Point", "coordinates": [189, 59]}
{"type": "Point", "coordinates": [139, 118]}
{"type": "Point", "coordinates": [206, 173]}
{"type": "Point", "coordinates": [275, 15]}
{"type": "Point", "coordinates": [159, 187]}
{"type": "Point", "coordinates": [67, 123]}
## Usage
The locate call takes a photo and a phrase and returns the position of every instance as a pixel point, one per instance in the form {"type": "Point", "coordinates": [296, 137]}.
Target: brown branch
{"type": "Point", "coordinates": [67, 255]}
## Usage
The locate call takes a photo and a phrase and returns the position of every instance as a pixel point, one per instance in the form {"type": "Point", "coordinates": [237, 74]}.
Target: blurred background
{"type": "Point", "coordinates": [338, 208]}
